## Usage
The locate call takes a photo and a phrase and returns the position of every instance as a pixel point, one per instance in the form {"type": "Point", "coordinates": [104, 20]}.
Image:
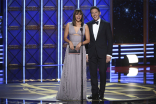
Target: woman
{"type": "Point", "coordinates": [70, 85]}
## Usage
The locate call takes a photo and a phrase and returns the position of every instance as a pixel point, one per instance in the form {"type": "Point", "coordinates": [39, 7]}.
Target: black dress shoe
{"type": "Point", "coordinates": [90, 97]}
{"type": "Point", "coordinates": [95, 102]}
{"type": "Point", "coordinates": [95, 97]}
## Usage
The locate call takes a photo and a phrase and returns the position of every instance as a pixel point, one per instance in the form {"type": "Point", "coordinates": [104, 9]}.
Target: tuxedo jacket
{"type": "Point", "coordinates": [103, 43]}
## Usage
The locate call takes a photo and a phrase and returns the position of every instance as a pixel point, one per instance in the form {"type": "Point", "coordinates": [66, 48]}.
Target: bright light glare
{"type": "Point", "coordinates": [58, 79]}
{"type": "Point", "coordinates": [132, 72]}
{"type": "Point", "coordinates": [132, 58]}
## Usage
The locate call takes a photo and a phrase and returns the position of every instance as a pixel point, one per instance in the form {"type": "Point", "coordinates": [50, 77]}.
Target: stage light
{"type": "Point", "coordinates": [132, 53]}
{"type": "Point", "coordinates": [59, 38]}
{"type": "Point", "coordinates": [149, 44]}
{"type": "Point", "coordinates": [132, 58]}
{"type": "Point", "coordinates": [41, 39]}
{"type": "Point", "coordinates": [78, 4]}
{"type": "Point", "coordinates": [23, 101]}
{"type": "Point", "coordinates": [24, 33]}
{"type": "Point", "coordinates": [115, 45]}
{"type": "Point", "coordinates": [6, 42]}
{"type": "Point", "coordinates": [94, 2]}
{"type": "Point", "coordinates": [126, 60]}
{"type": "Point", "coordinates": [132, 49]}
{"type": "Point", "coordinates": [24, 41]}
{"type": "Point", "coordinates": [58, 80]}
{"type": "Point", "coordinates": [24, 74]}
{"type": "Point", "coordinates": [132, 72]}
{"type": "Point", "coordinates": [61, 35]}
{"type": "Point", "coordinates": [131, 45]}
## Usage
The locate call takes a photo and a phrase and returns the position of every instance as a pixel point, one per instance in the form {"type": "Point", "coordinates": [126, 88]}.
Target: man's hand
{"type": "Point", "coordinates": [86, 58]}
{"type": "Point", "coordinates": [108, 59]}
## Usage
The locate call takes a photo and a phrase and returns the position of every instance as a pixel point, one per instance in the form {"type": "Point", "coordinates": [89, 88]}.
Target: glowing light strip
{"type": "Point", "coordinates": [140, 56]}
{"type": "Point", "coordinates": [115, 57]}
{"type": "Point", "coordinates": [58, 49]}
{"type": "Point", "coordinates": [149, 48]}
{"type": "Point", "coordinates": [24, 74]}
{"type": "Point", "coordinates": [115, 46]}
{"type": "Point", "coordinates": [110, 70]}
{"type": "Point", "coordinates": [132, 53]}
{"type": "Point", "coordinates": [23, 101]}
{"type": "Point", "coordinates": [6, 99]}
{"type": "Point", "coordinates": [150, 56]}
{"type": "Point", "coordinates": [78, 4]}
{"type": "Point", "coordinates": [132, 45]}
{"type": "Point", "coordinates": [136, 49]}
{"type": "Point", "coordinates": [23, 41]}
{"type": "Point", "coordinates": [41, 48]}
{"type": "Point", "coordinates": [149, 44]}
{"type": "Point", "coordinates": [6, 34]}
{"type": "Point", "coordinates": [149, 52]}
{"type": "Point", "coordinates": [61, 36]}
{"type": "Point", "coordinates": [115, 49]}
{"type": "Point", "coordinates": [94, 2]}
{"type": "Point", "coordinates": [115, 53]}
{"type": "Point", "coordinates": [132, 49]}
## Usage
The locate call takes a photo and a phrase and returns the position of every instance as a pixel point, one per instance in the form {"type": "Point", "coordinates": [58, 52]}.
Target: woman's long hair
{"type": "Point", "coordinates": [74, 19]}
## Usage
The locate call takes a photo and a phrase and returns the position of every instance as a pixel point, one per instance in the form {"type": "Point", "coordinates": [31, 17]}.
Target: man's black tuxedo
{"type": "Point", "coordinates": [97, 51]}
{"type": "Point", "coordinates": [103, 43]}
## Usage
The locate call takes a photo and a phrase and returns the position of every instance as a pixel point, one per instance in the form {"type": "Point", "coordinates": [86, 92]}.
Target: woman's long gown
{"type": "Point", "coordinates": [70, 85]}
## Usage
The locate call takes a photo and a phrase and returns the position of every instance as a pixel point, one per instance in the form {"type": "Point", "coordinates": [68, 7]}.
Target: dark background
{"type": "Point", "coordinates": [1, 7]}
{"type": "Point", "coordinates": [128, 21]}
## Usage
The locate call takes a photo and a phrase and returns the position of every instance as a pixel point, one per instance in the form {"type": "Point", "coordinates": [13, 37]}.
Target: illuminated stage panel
{"type": "Point", "coordinates": [143, 74]}
{"type": "Point", "coordinates": [47, 91]}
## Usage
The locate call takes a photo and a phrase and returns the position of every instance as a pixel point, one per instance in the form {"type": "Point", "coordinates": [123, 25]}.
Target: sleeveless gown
{"type": "Point", "coordinates": [70, 85]}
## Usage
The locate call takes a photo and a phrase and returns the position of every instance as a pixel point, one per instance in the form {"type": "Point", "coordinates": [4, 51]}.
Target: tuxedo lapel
{"type": "Point", "coordinates": [100, 28]}
{"type": "Point", "coordinates": [91, 27]}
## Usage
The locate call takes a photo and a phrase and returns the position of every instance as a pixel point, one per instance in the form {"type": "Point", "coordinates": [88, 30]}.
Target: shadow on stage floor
{"type": "Point", "coordinates": [45, 93]}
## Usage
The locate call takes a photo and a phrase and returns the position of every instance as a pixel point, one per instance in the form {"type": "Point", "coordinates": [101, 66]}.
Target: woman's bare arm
{"type": "Point", "coordinates": [66, 32]}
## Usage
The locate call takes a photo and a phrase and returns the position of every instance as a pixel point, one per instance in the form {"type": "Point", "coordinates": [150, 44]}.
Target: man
{"type": "Point", "coordinates": [99, 51]}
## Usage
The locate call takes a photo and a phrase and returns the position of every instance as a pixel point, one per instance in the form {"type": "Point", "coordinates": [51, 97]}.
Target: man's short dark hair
{"type": "Point", "coordinates": [94, 7]}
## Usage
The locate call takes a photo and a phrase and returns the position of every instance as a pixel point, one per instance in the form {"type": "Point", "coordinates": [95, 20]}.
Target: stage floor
{"type": "Point", "coordinates": [46, 91]}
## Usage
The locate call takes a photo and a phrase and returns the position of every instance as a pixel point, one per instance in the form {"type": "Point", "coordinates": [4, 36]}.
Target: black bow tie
{"type": "Point", "coordinates": [96, 22]}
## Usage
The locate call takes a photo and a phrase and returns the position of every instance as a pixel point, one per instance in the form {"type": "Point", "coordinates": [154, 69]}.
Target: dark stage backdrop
{"type": "Point", "coordinates": [152, 21]}
{"type": "Point", "coordinates": [128, 21]}
{"type": "Point", "coordinates": [33, 32]}
{"type": "Point", "coordinates": [1, 7]}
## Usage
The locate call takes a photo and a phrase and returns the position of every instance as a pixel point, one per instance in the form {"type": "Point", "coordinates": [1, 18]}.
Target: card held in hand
{"type": "Point", "coordinates": [74, 51]}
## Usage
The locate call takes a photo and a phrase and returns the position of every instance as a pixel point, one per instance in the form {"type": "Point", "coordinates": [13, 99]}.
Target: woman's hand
{"type": "Point", "coordinates": [71, 45]}
{"type": "Point", "coordinates": [87, 58]}
{"type": "Point", "coordinates": [78, 46]}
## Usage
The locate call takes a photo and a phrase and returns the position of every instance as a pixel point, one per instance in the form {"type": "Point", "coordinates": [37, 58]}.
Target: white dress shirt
{"type": "Point", "coordinates": [96, 28]}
